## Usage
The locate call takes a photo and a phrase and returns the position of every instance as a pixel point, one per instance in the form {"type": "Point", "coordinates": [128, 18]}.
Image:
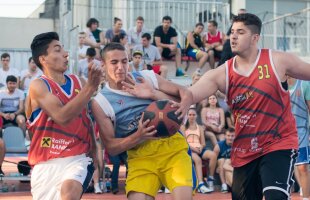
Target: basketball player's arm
{"type": "Point", "coordinates": [291, 65]}
{"type": "Point", "coordinates": [42, 98]}
{"type": "Point", "coordinates": [115, 145]}
{"type": "Point", "coordinates": [207, 85]}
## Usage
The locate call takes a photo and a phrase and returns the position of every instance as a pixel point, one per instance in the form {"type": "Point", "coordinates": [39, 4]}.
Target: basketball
{"type": "Point", "coordinates": [162, 116]}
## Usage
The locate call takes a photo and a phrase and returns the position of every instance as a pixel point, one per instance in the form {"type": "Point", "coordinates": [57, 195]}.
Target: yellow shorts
{"type": "Point", "coordinates": [156, 162]}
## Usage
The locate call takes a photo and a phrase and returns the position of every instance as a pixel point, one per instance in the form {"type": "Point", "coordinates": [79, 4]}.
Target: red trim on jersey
{"type": "Point", "coordinates": [262, 111]}
{"type": "Point", "coordinates": [210, 39]}
{"type": "Point", "coordinates": [51, 140]}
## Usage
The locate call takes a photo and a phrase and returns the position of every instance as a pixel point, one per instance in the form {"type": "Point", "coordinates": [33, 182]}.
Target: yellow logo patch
{"type": "Point", "coordinates": [46, 142]}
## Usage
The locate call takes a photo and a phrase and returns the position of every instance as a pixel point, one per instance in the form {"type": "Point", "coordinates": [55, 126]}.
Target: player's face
{"type": "Point", "coordinates": [56, 58]}
{"type": "Point", "coordinates": [116, 66]}
{"type": "Point", "coordinates": [11, 86]}
{"type": "Point", "coordinates": [192, 115]}
{"type": "Point", "coordinates": [242, 38]}
{"type": "Point", "coordinates": [229, 136]}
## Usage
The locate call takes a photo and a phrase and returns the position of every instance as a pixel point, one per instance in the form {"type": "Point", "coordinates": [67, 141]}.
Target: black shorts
{"type": "Point", "coordinates": [6, 122]}
{"type": "Point", "coordinates": [269, 175]}
{"type": "Point", "coordinates": [166, 53]}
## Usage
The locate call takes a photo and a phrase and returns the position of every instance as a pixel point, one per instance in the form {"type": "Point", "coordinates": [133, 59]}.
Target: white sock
{"type": "Point", "coordinates": [201, 182]}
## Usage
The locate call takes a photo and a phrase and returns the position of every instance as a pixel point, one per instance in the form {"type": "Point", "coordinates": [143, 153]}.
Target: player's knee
{"type": "Point", "coordinates": [275, 195]}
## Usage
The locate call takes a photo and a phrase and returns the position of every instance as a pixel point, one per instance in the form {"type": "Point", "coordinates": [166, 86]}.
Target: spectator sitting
{"type": "Point", "coordinates": [136, 63]}
{"type": "Point", "coordinates": [7, 70]}
{"type": "Point", "coordinates": [222, 150]}
{"type": "Point", "coordinates": [166, 40]}
{"type": "Point", "coordinates": [83, 64]}
{"type": "Point", "coordinates": [229, 119]}
{"type": "Point", "coordinates": [195, 47]}
{"type": "Point", "coordinates": [12, 104]}
{"type": "Point", "coordinates": [29, 74]}
{"type": "Point", "coordinates": [123, 40]}
{"type": "Point", "coordinates": [151, 57]}
{"type": "Point", "coordinates": [213, 41]}
{"type": "Point", "coordinates": [2, 154]}
{"type": "Point", "coordinates": [135, 33]}
{"type": "Point", "coordinates": [82, 48]}
{"type": "Point", "coordinates": [195, 137]}
{"type": "Point", "coordinates": [213, 118]}
{"type": "Point", "coordinates": [116, 30]}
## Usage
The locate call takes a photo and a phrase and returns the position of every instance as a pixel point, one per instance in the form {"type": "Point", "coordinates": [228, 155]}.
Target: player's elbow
{"type": "Point", "coordinates": [112, 150]}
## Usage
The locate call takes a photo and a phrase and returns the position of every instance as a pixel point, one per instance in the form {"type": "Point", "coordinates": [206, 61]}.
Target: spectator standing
{"type": "Point", "coordinates": [82, 48]}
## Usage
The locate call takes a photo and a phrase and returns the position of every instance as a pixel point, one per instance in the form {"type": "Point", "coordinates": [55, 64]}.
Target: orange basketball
{"type": "Point", "coordinates": [163, 118]}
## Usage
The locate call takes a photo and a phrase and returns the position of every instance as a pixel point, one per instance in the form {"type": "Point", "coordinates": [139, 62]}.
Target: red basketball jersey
{"type": "Point", "coordinates": [262, 111]}
{"type": "Point", "coordinates": [210, 39]}
{"type": "Point", "coordinates": [51, 140]}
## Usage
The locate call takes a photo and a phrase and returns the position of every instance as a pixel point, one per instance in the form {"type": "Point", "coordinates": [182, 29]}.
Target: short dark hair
{"type": "Point", "coordinates": [90, 52]}
{"type": "Point", "coordinates": [250, 20]}
{"type": "Point", "coordinates": [92, 21]}
{"type": "Point", "coordinates": [40, 44]}
{"type": "Point", "coordinates": [230, 130]}
{"type": "Point", "coordinates": [147, 36]}
{"type": "Point", "coordinates": [140, 18]}
{"type": "Point", "coordinates": [5, 55]}
{"type": "Point", "coordinates": [119, 37]}
{"type": "Point", "coordinates": [199, 24]}
{"type": "Point", "coordinates": [116, 19]}
{"type": "Point", "coordinates": [167, 18]}
{"type": "Point", "coordinates": [213, 22]}
{"type": "Point", "coordinates": [11, 78]}
{"type": "Point", "coordinates": [29, 59]}
{"type": "Point", "coordinates": [111, 47]}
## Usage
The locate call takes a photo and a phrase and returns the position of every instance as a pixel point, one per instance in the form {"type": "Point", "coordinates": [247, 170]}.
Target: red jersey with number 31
{"type": "Point", "coordinates": [262, 111]}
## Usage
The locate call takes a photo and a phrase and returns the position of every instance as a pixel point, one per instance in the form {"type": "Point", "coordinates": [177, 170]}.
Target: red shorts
{"type": "Point", "coordinates": [156, 69]}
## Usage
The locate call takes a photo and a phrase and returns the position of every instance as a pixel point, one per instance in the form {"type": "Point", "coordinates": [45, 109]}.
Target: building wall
{"type": "Point", "coordinates": [17, 33]}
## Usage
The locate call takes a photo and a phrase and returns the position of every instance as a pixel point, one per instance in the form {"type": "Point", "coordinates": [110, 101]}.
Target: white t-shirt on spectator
{"type": "Point", "coordinates": [5, 74]}
{"type": "Point", "coordinates": [83, 67]}
{"type": "Point", "coordinates": [82, 51]}
{"type": "Point", "coordinates": [28, 80]}
{"type": "Point", "coordinates": [134, 37]}
{"type": "Point", "coordinates": [150, 54]}
{"type": "Point", "coordinates": [10, 102]}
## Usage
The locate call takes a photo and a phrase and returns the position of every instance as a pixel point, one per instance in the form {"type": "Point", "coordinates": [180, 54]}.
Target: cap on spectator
{"type": "Point", "coordinates": [137, 53]}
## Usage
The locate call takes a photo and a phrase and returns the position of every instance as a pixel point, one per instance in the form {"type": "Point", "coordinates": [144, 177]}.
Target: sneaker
{"type": "Point", "coordinates": [203, 189]}
{"type": "Point", "coordinates": [224, 188]}
{"type": "Point", "coordinates": [210, 182]}
{"type": "Point", "coordinates": [115, 190]}
{"type": "Point", "coordinates": [179, 72]}
{"type": "Point", "coordinates": [102, 186]}
{"type": "Point", "coordinates": [1, 172]}
{"type": "Point", "coordinates": [97, 189]}
{"type": "Point", "coordinates": [167, 191]}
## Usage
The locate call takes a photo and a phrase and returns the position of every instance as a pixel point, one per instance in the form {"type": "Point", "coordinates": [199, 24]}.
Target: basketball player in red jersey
{"type": "Point", "coordinates": [58, 119]}
{"type": "Point", "coordinates": [264, 151]}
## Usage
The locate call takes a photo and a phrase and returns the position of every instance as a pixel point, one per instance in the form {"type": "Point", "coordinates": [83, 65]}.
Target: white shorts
{"type": "Point", "coordinates": [47, 177]}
